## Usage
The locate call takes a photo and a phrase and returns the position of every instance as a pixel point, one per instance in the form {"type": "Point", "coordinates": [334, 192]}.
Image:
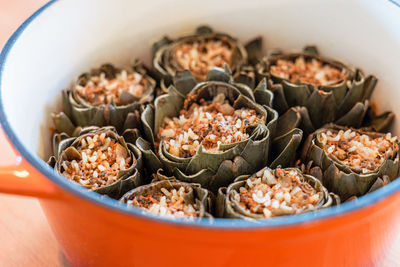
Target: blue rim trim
{"type": "Point", "coordinates": [114, 205]}
{"type": "Point", "coordinates": [397, 3]}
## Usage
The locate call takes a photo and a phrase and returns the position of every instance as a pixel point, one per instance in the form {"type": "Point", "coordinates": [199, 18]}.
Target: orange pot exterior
{"type": "Point", "coordinates": [93, 235]}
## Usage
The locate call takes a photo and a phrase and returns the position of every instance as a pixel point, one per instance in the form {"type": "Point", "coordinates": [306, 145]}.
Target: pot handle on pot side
{"type": "Point", "coordinates": [17, 176]}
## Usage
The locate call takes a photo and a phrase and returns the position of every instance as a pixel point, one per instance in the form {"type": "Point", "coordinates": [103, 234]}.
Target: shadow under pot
{"type": "Point", "coordinates": [271, 193]}
{"type": "Point", "coordinates": [99, 160]}
{"type": "Point", "coordinates": [352, 162]}
{"type": "Point", "coordinates": [171, 199]}
{"type": "Point", "coordinates": [105, 96]}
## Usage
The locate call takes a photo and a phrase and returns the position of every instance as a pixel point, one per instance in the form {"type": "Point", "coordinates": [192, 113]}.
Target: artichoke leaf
{"type": "Point", "coordinates": [321, 107]}
{"type": "Point", "coordinates": [284, 148]}
{"type": "Point", "coordinates": [254, 50]}
{"type": "Point", "coordinates": [262, 95]}
{"type": "Point", "coordinates": [355, 116]}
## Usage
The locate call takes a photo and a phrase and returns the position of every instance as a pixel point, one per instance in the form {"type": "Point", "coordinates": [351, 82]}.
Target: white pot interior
{"type": "Point", "coordinates": [70, 37]}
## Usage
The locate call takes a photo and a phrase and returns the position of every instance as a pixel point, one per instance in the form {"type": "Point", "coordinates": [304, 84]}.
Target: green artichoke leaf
{"type": "Point", "coordinates": [246, 75]}
{"type": "Point", "coordinates": [294, 117]}
{"type": "Point", "coordinates": [212, 160]}
{"type": "Point", "coordinates": [339, 91]}
{"type": "Point", "coordinates": [132, 121]}
{"type": "Point", "coordinates": [131, 135]}
{"type": "Point", "coordinates": [63, 124]}
{"type": "Point", "coordinates": [296, 95]}
{"type": "Point", "coordinates": [279, 102]}
{"type": "Point", "coordinates": [171, 162]}
{"type": "Point", "coordinates": [60, 145]}
{"type": "Point", "coordinates": [184, 81]}
{"type": "Point", "coordinates": [379, 183]}
{"type": "Point", "coordinates": [120, 187]}
{"type": "Point", "coordinates": [147, 119]}
{"type": "Point", "coordinates": [288, 121]}
{"type": "Point", "coordinates": [167, 105]}
{"type": "Point", "coordinates": [272, 120]}
{"type": "Point", "coordinates": [355, 116]}
{"type": "Point", "coordinates": [378, 123]}
{"type": "Point", "coordinates": [203, 177]}
{"type": "Point", "coordinates": [228, 169]}
{"type": "Point", "coordinates": [369, 86]}
{"type": "Point", "coordinates": [219, 75]}
{"type": "Point", "coordinates": [311, 50]}
{"type": "Point", "coordinates": [284, 148]}
{"type": "Point", "coordinates": [354, 95]}
{"type": "Point", "coordinates": [321, 107]}
{"type": "Point", "coordinates": [262, 95]}
{"type": "Point", "coordinates": [204, 29]}
{"type": "Point", "coordinates": [254, 50]}
{"type": "Point", "coordinates": [151, 161]}
{"type": "Point", "coordinates": [57, 139]}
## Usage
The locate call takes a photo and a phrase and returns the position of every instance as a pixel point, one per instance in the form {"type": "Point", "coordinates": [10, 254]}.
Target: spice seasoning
{"type": "Point", "coordinates": [100, 90]}
{"type": "Point", "coordinates": [208, 123]}
{"type": "Point", "coordinates": [101, 158]}
{"type": "Point", "coordinates": [358, 150]}
{"type": "Point", "coordinates": [312, 71]}
{"type": "Point", "coordinates": [165, 202]}
{"type": "Point", "coordinates": [277, 192]}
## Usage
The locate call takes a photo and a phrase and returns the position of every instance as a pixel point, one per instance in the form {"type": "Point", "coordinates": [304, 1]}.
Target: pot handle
{"type": "Point", "coordinates": [17, 176]}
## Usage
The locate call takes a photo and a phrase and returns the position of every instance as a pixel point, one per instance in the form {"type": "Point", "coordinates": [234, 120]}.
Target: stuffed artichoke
{"type": "Point", "coordinates": [99, 160]}
{"type": "Point", "coordinates": [270, 193]}
{"type": "Point", "coordinates": [318, 90]}
{"type": "Point", "coordinates": [211, 132]}
{"type": "Point", "coordinates": [352, 162]}
{"type": "Point", "coordinates": [200, 52]}
{"type": "Point", "coordinates": [105, 96]}
{"type": "Point", "coordinates": [171, 199]}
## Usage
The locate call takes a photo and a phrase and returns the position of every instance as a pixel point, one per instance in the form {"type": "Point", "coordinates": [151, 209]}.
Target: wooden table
{"type": "Point", "coordinates": [25, 237]}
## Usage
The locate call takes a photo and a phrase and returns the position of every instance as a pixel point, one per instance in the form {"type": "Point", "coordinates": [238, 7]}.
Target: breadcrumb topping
{"type": "Point", "coordinates": [165, 202]}
{"type": "Point", "coordinates": [312, 71]}
{"type": "Point", "coordinates": [210, 123]}
{"type": "Point", "coordinates": [358, 150]}
{"type": "Point", "coordinates": [101, 158]}
{"type": "Point", "coordinates": [99, 90]}
{"type": "Point", "coordinates": [201, 54]}
{"type": "Point", "coordinates": [277, 192]}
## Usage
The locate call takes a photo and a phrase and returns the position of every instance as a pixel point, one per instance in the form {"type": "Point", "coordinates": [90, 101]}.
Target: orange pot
{"type": "Point", "coordinates": [93, 231]}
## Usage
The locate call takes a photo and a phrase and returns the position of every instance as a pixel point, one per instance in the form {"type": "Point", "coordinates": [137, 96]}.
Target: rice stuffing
{"type": "Point", "coordinates": [165, 202]}
{"type": "Point", "coordinates": [101, 158]}
{"type": "Point", "coordinates": [312, 71]}
{"type": "Point", "coordinates": [201, 54]}
{"type": "Point", "coordinates": [358, 150]}
{"type": "Point", "coordinates": [277, 192]}
{"type": "Point", "coordinates": [209, 123]}
{"type": "Point", "coordinates": [99, 90]}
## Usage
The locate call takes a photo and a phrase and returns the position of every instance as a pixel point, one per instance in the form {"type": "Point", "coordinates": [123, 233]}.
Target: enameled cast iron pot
{"type": "Point", "coordinates": [65, 38]}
